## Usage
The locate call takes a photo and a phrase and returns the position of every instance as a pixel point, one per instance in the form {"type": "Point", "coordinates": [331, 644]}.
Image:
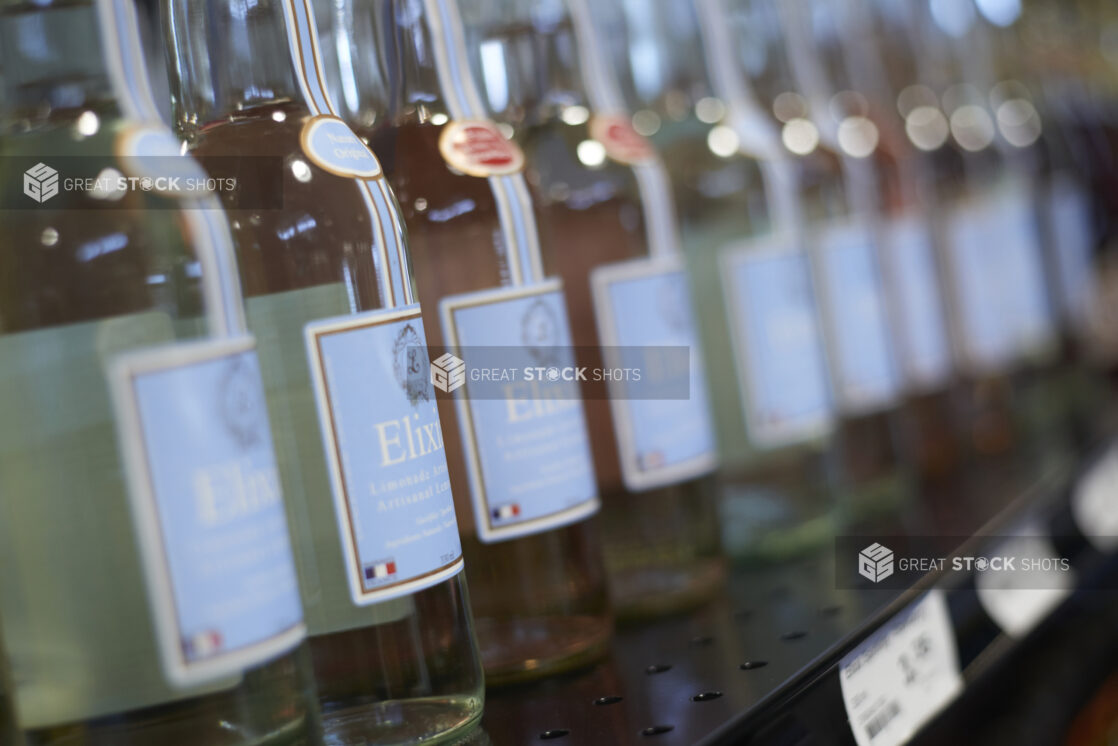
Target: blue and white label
{"type": "Point", "coordinates": [1070, 221]}
{"type": "Point", "coordinates": [922, 324]}
{"type": "Point", "coordinates": [998, 275]}
{"type": "Point", "coordinates": [778, 346]}
{"type": "Point", "coordinates": [207, 506]}
{"type": "Point", "coordinates": [985, 334]}
{"type": "Point", "coordinates": [333, 146]}
{"type": "Point", "coordinates": [528, 455]}
{"type": "Point", "coordinates": [1017, 231]}
{"type": "Point", "coordinates": [647, 303]}
{"type": "Point", "coordinates": [384, 447]}
{"type": "Point", "coordinates": [856, 327]}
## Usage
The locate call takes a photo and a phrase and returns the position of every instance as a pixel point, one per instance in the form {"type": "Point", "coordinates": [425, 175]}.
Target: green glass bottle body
{"type": "Point", "coordinates": [397, 669]}
{"type": "Point", "coordinates": [540, 598]}
{"type": "Point", "coordinates": [86, 281]}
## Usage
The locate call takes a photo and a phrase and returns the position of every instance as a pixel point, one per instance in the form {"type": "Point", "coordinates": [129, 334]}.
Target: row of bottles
{"type": "Point", "coordinates": [238, 503]}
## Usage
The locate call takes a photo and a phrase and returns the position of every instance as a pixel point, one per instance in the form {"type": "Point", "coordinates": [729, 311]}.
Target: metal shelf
{"type": "Point", "coordinates": [760, 664]}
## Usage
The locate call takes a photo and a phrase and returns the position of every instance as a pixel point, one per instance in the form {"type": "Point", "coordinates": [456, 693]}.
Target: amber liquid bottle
{"type": "Point", "coordinates": [330, 300]}
{"type": "Point", "coordinates": [533, 558]}
{"type": "Point", "coordinates": [105, 294]}
{"type": "Point", "coordinates": [611, 236]}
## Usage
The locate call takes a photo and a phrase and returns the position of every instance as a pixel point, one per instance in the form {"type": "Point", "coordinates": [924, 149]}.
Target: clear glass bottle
{"type": "Point", "coordinates": [842, 78]}
{"type": "Point", "coordinates": [1039, 130]}
{"type": "Point", "coordinates": [149, 593]}
{"type": "Point", "coordinates": [330, 299]}
{"type": "Point", "coordinates": [775, 476]}
{"type": "Point", "coordinates": [998, 300]}
{"type": "Point", "coordinates": [610, 234]}
{"type": "Point", "coordinates": [522, 468]}
{"type": "Point", "coordinates": [848, 439]}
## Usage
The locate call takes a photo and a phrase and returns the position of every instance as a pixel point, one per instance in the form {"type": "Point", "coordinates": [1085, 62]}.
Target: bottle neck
{"type": "Point", "coordinates": [382, 64]}
{"type": "Point", "coordinates": [224, 58]}
{"type": "Point", "coordinates": [528, 56]}
{"type": "Point", "coordinates": [764, 58]}
{"type": "Point", "coordinates": [661, 56]}
{"type": "Point", "coordinates": [53, 66]}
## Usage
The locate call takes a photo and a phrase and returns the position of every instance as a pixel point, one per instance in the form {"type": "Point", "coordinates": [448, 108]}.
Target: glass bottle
{"type": "Point", "coordinates": [852, 442]}
{"type": "Point", "coordinates": [521, 469]}
{"type": "Point", "coordinates": [1039, 131]}
{"type": "Point", "coordinates": [149, 593]}
{"type": "Point", "coordinates": [891, 189]}
{"type": "Point", "coordinates": [611, 236]}
{"type": "Point", "coordinates": [330, 298]}
{"type": "Point", "coordinates": [776, 469]}
{"type": "Point", "coordinates": [998, 301]}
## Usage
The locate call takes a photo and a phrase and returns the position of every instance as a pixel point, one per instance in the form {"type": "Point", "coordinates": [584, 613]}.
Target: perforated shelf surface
{"type": "Point", "coordinates": [731, 671]}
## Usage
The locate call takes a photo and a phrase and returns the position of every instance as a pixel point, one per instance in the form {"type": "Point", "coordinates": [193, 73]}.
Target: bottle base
{"type": "Point", "coordinates": [427, 721]}
{"type": "Point", "coordinates": [516, 650]}
{"type": "Point", "coordinates": [646, 593]}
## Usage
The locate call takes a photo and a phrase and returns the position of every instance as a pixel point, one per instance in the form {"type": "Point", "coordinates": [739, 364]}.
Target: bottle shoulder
{"type": "Point", "coordinates": [294, 224]}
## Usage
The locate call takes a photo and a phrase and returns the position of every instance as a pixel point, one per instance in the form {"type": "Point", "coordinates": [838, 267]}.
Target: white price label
{"type": "Point", "coordinates": [902, 675]}
{"type": "Point", "coordinates": [1023, 581]}
{"type": "Point", "coordinates": [1094, 503]}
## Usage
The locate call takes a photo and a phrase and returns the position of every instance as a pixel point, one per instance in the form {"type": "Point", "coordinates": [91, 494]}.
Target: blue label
{"type": "Point", "coordinates": [1073, 236]}
{"type": "Point", "coordinates": [922, 323]}
{"type": "Point", "coordinates": [333, 146]}
{"type": "Point", "coordinates": [986, 334]}
{"type": "Point", "coordinates": [528, 455]}
{"type": "Point", "coordinates": [208, 507]}
{"type": "Point", "coordinates": [998, 273]}
{"type": "Point", "coordinates": [779, 348]}
{"type": "Point", "coordinates": [1017, 233]}
{"type": "Point", "coordinates": [866, 376]}
{"type": "Point", "coordinates": [644, 305]}
{"type": "Point", "coordinates": [385, 450]}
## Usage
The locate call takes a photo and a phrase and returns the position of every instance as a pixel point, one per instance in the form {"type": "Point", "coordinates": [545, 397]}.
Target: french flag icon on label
{"type": "Point", "coordinates": [380, 570]}
{"type": "Point", "coordinates": [506, 512]}
{"type": "Point", "coordinates": [202, 645]}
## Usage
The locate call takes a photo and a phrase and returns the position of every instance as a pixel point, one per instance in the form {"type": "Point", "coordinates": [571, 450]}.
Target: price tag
{"type": "Point", "coordinates": [1094, 503]}
{"type": "Point", "coordinates": [904, 674]}
{"type": "Point", "coordinates": [1022, 582]}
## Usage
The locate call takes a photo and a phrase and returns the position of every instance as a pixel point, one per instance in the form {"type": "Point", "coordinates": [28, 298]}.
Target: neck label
{"type": "Point", "coordinates": [334, 147]}
{"type": "Point", "coordinates": [476, 147]}
{"type": "Point", "coordinates": [622, 143]}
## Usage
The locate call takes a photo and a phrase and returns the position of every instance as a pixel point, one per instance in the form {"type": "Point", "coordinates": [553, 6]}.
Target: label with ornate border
{"type": "Point", "coordinates": [528, 455]}
{"type": "Point", "coordinates": [207, 507]}
{"type": "Point", "coordinates": [384, 447]}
